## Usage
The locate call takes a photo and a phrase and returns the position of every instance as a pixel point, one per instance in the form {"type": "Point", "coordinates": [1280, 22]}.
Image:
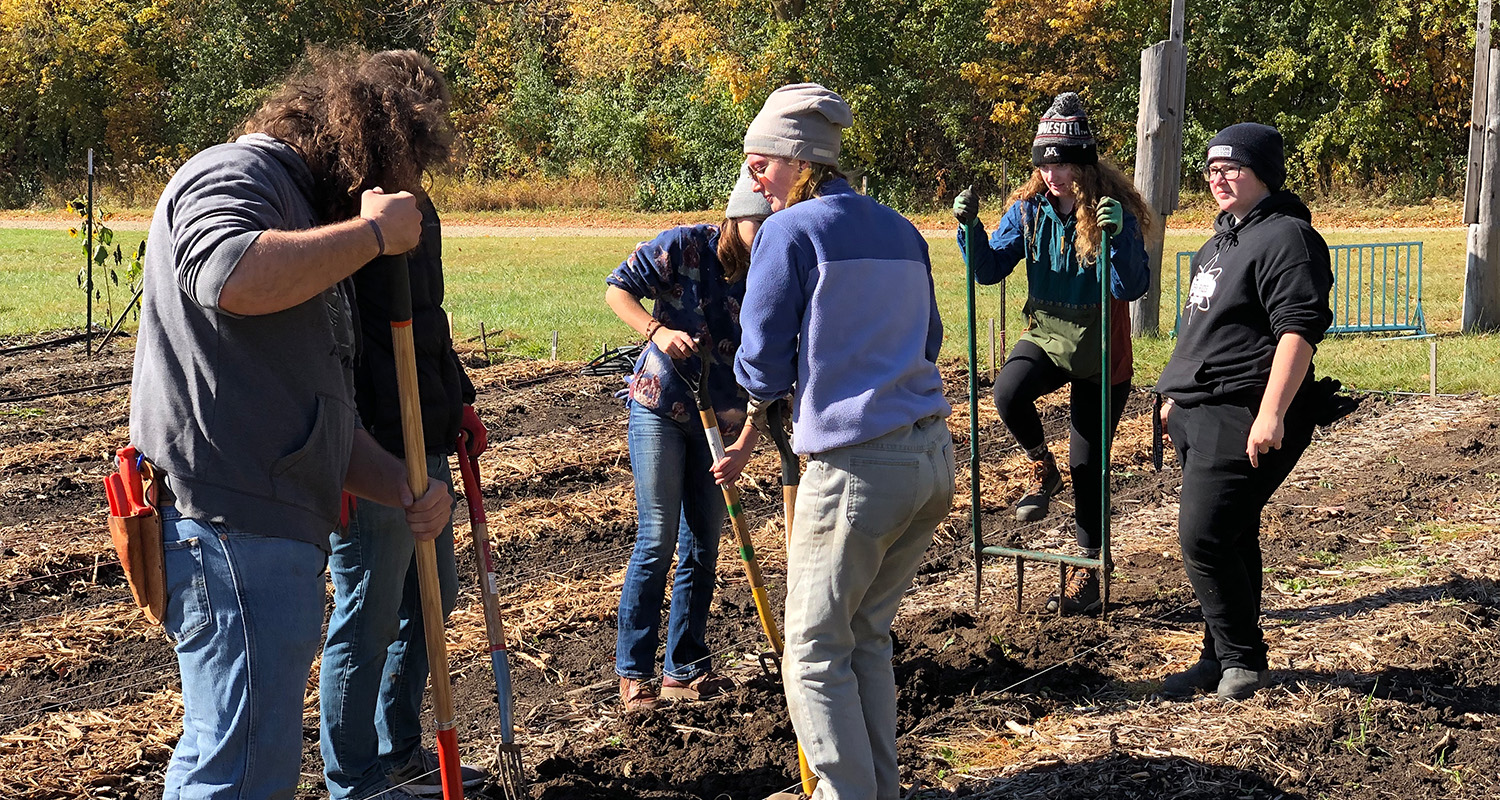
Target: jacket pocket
{"type": "Point", "coordinates": [882, 493]}
{"type": "Point", "coordinates": [188, 610]}
{"type": "Point", "coordinates": [312, 476]}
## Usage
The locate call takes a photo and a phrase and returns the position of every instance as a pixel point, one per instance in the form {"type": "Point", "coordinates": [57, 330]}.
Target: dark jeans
{"type": "Point", "coordinates": [1218, 523]}
{"type": "Point", "coordinates": [1029, 374]}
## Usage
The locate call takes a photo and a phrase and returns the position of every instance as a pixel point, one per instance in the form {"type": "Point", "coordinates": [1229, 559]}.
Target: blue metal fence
{"type": "Point", "coordinates": [1377, 288]}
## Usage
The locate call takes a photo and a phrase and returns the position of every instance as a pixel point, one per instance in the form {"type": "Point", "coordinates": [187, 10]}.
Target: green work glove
{"type": "Point", "coordinates": [1110, 215]}
{"type": "Point", "coordinates": [966, 207]}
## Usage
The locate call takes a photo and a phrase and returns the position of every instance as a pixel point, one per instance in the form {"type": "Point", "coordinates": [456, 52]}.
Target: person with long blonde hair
{"type": "Point", "coordinates": [1054, 225]}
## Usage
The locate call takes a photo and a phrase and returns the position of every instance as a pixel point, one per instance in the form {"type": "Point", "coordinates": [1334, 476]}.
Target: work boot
{"type": "Point", "coordinates": [1203, 676]}
{"type": "Point", "coordinates": [420, 776]}
{"type": "Point", "coordinates": [703, 687]}
{"type": "Point", "coordinates": [638, 695]}
{"type": "Point", "coordinates": [1240, 684]}
{"type": "Point", "coordinates": [1080, 592]}
{"type": "Point", "coordinates": [1045, 481]}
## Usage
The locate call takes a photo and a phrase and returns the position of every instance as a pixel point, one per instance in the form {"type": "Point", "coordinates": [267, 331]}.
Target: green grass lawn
{"type": "Point", "coordinates": [529, 287]}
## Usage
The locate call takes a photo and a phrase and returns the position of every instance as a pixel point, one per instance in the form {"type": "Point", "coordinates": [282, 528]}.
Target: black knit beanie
{"type": "Point", "coordinates": [1063, 136]}
{"type": "Point", "coordinates": [1254, 145]}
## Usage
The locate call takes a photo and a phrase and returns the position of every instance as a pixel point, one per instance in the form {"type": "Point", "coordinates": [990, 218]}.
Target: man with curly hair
{"type": "Point", "coordinates": [243, 400]}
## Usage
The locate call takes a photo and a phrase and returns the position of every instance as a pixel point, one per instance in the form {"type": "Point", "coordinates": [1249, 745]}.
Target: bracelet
{"type": "Point", "coordinates": [379, 237]}
{"type": "Point", "coordinates": [652, 327]}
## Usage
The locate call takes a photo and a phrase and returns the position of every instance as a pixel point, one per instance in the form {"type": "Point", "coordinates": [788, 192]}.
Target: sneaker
{"type": "Point", "coordinates": [1201, 677]}
{"type": "Point", "coordinates": [1045, 481]}
{"type": "Point", "coordinates": [703, 687]}
{"type": "Point", "coordinates": [420, 776]}
{"type": "Point", "coordinates": [1080, 593]}
{"type": "Point", "coordinates": [638, 695]}
{"type": "Point", "coordinates": [1240, 684]}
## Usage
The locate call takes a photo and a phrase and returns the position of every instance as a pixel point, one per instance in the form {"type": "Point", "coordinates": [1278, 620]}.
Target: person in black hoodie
{"type": "Point", "coordinates": [374, 668]}
{"type": "Point", "coordinates": [1240, 395]}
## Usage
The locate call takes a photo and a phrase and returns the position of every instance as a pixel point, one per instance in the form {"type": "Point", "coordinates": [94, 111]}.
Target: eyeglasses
{"type": "Point", "coordinates": [758, 169]}
{"type": "Point", "coordinates": [1228, 172]}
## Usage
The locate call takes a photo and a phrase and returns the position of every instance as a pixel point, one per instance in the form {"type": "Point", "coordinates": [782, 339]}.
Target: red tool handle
{"type": "Point", "coordinates": [469, 467]}
{"type": "Point", "coordinates": [130, 475]}
{"type": "Point", "coordinates": [114, 489]}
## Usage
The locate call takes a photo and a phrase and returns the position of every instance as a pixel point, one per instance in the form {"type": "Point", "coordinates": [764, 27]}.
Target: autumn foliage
{"type": "Point", "coordinates": [655, 94]}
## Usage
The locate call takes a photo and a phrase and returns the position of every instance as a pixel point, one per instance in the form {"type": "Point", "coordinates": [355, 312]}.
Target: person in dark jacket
{"type": "Point", "coordinates": [1240, 392]}
{"type": "Point", "coordinates": [1054, 225]}
{"type": "Point", "coordinates": [374, 668]}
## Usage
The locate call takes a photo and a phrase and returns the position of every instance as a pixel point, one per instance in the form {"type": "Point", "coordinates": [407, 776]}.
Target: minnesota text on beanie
{"type": "Point", "coordinates": [1063, 136]}
{"type": "Point", "coordinates": [803, 122]}
{"type": "Point", "coordinates": [744, 201]}
{"type": "Point", "coordinates": [1254, 145]}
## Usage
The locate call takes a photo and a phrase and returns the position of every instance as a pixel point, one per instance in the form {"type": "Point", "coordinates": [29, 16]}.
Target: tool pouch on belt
{"type": "Point", "coordinates": [1068, 334]}
{"type": "Point", "coordinates": [136, 533]}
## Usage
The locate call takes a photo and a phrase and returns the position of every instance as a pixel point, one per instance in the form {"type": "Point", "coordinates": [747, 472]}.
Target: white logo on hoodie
{"type": "Point", "coordinates": [1205, 284]}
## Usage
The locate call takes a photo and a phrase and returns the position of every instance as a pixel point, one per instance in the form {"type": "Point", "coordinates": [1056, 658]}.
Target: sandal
{"type": "Point", "coordinates": [703, 687]}
{"type": "Point", "coordinates": [638, 695]}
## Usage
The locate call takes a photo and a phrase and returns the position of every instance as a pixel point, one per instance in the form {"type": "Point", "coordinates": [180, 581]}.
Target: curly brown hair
{"type": "Point", "coordinates": [360, 121]}
{"type": "Point", "coordinates": [1093, 182]}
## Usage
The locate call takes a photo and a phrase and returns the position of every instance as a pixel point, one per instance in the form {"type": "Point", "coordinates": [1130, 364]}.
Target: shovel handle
{"type": "Point", "coordinates": [416, 477]}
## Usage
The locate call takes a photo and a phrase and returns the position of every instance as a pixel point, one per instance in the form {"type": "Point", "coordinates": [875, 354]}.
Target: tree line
{"type": "Point", "coordinates": [1371, 95]}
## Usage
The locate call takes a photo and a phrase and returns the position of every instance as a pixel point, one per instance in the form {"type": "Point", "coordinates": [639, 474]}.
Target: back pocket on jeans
{"type": "Point", "coordinates": [882, 494]}
{"type": "Point", "coordinates": [188, 610]}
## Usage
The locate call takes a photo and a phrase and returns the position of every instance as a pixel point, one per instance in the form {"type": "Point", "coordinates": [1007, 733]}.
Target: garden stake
{"type": "Point", "coordinates": [426, 551]}
{"type": "Point", "coordinates": [512, 774]}
{"type": "Point", "coordinates": [1104, 426]}
{"type": "Point", "coordinates": [742, 531]}
{"type": "Point", "coordinates": [973, 240]}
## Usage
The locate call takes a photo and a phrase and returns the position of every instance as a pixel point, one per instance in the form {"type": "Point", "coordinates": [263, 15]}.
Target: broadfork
{"type": "Point", "coordinates": [742, 532]}
{"type": "Point", "coordinates": [511, 773]}
{"type": "Point", "coordinates": [416, 477]}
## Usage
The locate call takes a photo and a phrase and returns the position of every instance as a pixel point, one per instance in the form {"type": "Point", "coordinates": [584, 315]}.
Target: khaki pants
{"type": "Point", "coordinates": [865, 516]}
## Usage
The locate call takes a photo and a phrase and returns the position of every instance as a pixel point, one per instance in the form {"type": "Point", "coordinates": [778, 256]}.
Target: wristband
{"type": "Point", "coordinates": [379, 237]}
{"type": "Point", "coordinates": [652, 327]}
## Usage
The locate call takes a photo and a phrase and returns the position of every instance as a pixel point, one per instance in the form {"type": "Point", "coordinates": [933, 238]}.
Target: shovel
{"type": "Point", "coordinates": [512, 776]}
{"type": "Point", "coordinates": [742, 530]}
{"type": "Point", "coordinates": [416, 477]}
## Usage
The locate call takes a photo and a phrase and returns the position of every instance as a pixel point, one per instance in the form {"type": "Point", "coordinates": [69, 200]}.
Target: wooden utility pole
{"type": "Point", "coordinates": [1481, 310]}
{"type": "Point", "coordinates": [1158, 156]}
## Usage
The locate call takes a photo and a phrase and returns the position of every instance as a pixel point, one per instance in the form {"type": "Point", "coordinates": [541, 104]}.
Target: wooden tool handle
{"type": "Point", "coordinates": [416, 477]}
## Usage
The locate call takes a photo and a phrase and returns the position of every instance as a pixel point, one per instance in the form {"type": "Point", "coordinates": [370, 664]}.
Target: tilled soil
{"type": "Point", "coordinates": [1396, 537]}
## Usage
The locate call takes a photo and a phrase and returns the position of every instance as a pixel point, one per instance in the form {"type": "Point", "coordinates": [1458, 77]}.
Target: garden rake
{"type": "Point", "coordinates": [426, 552]}
{"type": "Point", "coordinates": [742, 530]}
{"type": "Point", "coordinates": [510, 772]}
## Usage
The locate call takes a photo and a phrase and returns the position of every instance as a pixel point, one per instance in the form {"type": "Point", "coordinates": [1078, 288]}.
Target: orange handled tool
{"type": "Point", "coordinates": [416, 476]}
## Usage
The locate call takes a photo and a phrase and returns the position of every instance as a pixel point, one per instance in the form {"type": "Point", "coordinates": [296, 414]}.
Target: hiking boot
{"type": "Point", "coordinates": [1240, 684]}
{"type": "Point", "coordinates": [638, 695]}
{"type": "Point", "coordinates": [1201, 677]}
{"type": "Point", "coordinates": [703, 687]}
{"type": "Point", "coordinates": [1080, 593]}
{"type": "Point", "coordinates": [1045, 481]}
{"type": "Point", "coordinates": [420, 776]}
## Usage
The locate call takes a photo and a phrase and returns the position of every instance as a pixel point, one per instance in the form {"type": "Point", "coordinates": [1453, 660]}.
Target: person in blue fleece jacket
{"type": "Point", "coordinates": [1053, 227]}
{"type": "Point", "coordinates": [840, 306]}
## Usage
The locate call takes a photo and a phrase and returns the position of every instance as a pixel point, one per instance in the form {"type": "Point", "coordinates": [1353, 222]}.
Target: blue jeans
{"type": "Point", "coordinates": [375, 661]}
{"type": "Point", "coordinates": [245, 611]}
{"type": "Point", "coordinates": [865, 516]}
{"type": "Point", "coordinates": [677, 504]}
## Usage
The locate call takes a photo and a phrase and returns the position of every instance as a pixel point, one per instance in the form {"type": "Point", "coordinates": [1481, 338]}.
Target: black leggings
{"type": "Point", "coordinates": [1029, 374]}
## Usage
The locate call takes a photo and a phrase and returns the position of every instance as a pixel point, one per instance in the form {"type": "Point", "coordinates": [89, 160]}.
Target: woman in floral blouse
{"type": "Point", "coordinates": [695, 274]}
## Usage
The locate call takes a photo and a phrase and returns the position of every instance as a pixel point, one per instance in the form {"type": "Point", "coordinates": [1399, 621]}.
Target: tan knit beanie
{"type": "Point", "coordinates": [803, 122]}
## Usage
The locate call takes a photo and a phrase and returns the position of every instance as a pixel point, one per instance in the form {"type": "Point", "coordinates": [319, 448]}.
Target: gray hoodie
{"type": "Point", "coordinates": [252, 418]}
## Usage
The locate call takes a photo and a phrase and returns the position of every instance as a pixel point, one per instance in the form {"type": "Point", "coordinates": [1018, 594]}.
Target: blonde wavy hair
{"type": "Point", "coordinates": [1093, 182]}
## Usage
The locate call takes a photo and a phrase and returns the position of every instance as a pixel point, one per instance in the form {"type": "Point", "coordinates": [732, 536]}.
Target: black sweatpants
{"type": "Point", "coordinates": [1218, 523]}
{"type": "Point", "coordinates": [1029, 374]}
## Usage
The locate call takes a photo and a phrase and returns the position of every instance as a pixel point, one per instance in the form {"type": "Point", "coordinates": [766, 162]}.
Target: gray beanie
{"type": "Point", "coordinates": [802, 122]}
{"type": "Point", "coordinates": [744, 201]}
